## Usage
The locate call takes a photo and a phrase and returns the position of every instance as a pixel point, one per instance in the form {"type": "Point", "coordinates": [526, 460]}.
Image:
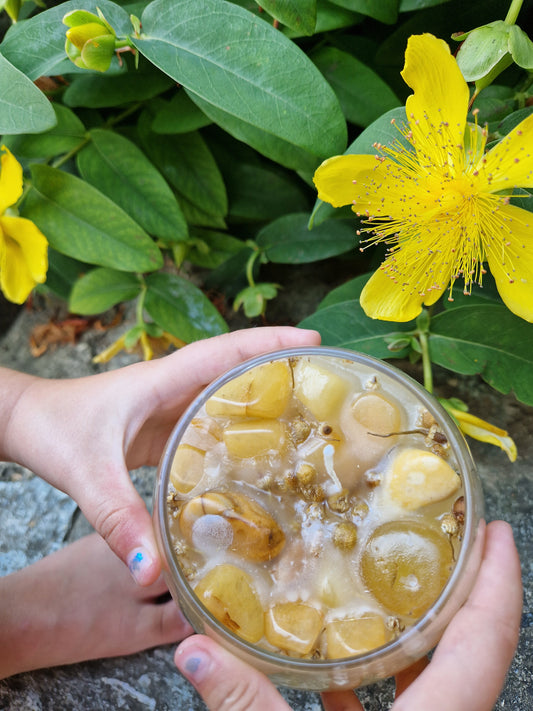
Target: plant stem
{"type": "Point", "coordinates": [250, 266]}
{"type": "Point", "coordinates": [67, 156]}
{"type": "Point", "coordinates": [513, 11]}
{"type": "Point", "coordinates": [426, 361]}
{"type": "Point", "coordinates": [139, 309]}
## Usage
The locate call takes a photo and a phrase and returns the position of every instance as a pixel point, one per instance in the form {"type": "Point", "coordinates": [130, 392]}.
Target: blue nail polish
{"type": "Point", "coordinates": [192, 665]}
{"type": "Point", "coordinates": [136, 562]}
{"type": "Point", "coordinates": [139, 561]}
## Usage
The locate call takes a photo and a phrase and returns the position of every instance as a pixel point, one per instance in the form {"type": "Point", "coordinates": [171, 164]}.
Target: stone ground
{"type": "Point", "coordinates": [35, 520]}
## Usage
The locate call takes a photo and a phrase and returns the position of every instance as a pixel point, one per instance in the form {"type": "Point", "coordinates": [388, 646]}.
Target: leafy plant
{"type": "Point", "coordinates": [159, 135]}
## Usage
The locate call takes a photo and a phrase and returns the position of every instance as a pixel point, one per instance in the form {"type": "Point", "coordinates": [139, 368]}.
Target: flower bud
{"type": "Point", "coordinates": [91, 41]}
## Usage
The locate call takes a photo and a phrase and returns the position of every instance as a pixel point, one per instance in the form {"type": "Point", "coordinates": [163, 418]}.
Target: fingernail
{"type": "Point", "coordinates": [139, 563]}
{"type": "Point", "coordinates": [193, 664]}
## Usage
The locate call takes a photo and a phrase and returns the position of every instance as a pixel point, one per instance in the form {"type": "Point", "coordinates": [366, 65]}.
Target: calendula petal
{"type": "Point", "coordinates": [509, 250]}
{"type": "Point", "coordinates": [438, 108]}
{"type": "Point", "coordinates": [510, 163]}
{"type": "Point", "coordinates": [10, 180]}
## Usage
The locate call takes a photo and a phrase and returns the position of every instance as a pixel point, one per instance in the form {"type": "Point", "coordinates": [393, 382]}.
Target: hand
{"type": "Point", "coordinates": [466, 672]}
{"type": "Point", "coordinates": [83, 435]}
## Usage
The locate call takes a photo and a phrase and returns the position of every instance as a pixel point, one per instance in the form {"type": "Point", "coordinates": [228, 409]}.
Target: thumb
{"type": "Point", "coordinates": [223, 681]}
{"type": "Point", "coordinates": [115, 509]}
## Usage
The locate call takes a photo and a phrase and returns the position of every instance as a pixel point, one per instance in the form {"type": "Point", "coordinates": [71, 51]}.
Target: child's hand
{"type": "Point", "coordinates": [83, 435]}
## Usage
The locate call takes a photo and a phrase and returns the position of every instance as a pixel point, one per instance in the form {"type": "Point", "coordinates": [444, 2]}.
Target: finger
{"type": "Point", "coordinates": [203, 361]}
{"type": "Point", "coordinates": [115, 509]}
{"type": "Point", "coordinates": [406, 677]}
{"type": "Point", "coordinates": [469, 666]}
{"type": "Point", "coordinates": [224, 682]}
{"type": "Point", "coordinates": [341, 701]}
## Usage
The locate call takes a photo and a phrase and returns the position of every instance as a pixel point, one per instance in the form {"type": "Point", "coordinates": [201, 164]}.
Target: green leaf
{"type": "Point", "coordinates": [257, 190]}
{"type": "Point", "coordinates": [250, 71]}
{"type": "Point", "coordinates": [271, 146]}
{"type": "Point", "coordinates": [62, 274]}
{"type": "Point", "coordinates": [100, 91]}
{"type": "Point", "coordinates": [68, 133]}
{"type": "Point", "coordinates": [101, 289]}
{"type": "Point", "coordinates": [181, 308]}
{"type": "Point", "coordinates": [362, 94]}
{"type": "Point", "coordinates": [82, 223]}
{"type": "Point", "coordinates": [483, 49]}
{"type": "Point", "coordinates": [382, 10]}
{"type": "Point", "coordinates": [410, 5]}
{"type": "Point", "coordinates": [120, 170]}
{"type": "Point", "coordinates": [494, 103]}
{"type": "Point", "coordinates": [23, 107]}
{"type": "Point", "coordinates": [512, 120]}
{"type": "Point", "coordinates": [488, 340]}
{"type": "Point", "coordinates": [299, 15]}
{"type": "Point", "coordinates": [209, 249]}
{"type": "Point", "coordinates": [349, 291]}
{"type": "Point", "coordinates": [253, 299]}
{"type": "Point", "coordinates": [330, 17]}
{"type": "Point", "coordinates": [179, 115]}
{"type": "Point", "coordinates": [288, 240]}
{"type": "Point", "coordinates": [345, 324]}
{"type": "Point", "coordinates": [521, 48]}
{"type": "Point", "coordinates": [37, 45]}
{"type": "Point", "coordinates": [385, 131]}
{"type": "Point", "coordinates": [187, 163]}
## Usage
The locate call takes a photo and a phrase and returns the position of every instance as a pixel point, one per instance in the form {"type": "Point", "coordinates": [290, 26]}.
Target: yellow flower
{"type": "Point", "coordinates": [438, 202]}
{"type": "Point", "coordinates": [23, 247]}
{"type": "Point", "coordinates": [480, 429]}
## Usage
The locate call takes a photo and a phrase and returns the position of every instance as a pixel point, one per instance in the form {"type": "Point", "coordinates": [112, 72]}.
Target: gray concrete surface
{"type": "Point", "coordinates": [35, 519]}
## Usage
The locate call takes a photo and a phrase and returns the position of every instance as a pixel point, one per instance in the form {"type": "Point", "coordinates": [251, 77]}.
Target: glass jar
{"type": "Point", "coordinates": [405, 647]}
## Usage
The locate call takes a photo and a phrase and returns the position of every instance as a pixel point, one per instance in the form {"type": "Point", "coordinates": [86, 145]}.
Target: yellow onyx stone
{"type": "Point", "coordinates": [253, 533]}
{"type": "Point", "coordinates": [187, 468]}
{"type": "Point", "coordinates": [377, 414]}
{"type": "Point", "coordinates": [263, 391]}
{"type": "Point", "coordinates": [229, 595]}
{"type": "Point", "coordinates": [188, 464]}
{"type": "Point", "coordinates": [293, 627]}
{"type": "Point", "coordinates": [255, 437]}
{"type": "Point", "coordinates": [320, 390]}
{"type": "Point", "coordinates": [355, 635]}
{"type": "Point", "coordinates": [418, 477]}
{"type": "Point", "coordinates": [405, 565]}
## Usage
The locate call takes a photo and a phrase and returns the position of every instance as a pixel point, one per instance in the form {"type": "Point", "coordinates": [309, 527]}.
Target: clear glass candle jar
{"type": "Point", "coordinates": [319, 515]}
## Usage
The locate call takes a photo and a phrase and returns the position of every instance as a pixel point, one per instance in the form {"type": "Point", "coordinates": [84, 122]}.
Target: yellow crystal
{"type": "Point", "coordinates": [355, 635]}
{"type": "Point", "coordinates": [293, 627]}
{"type": "Point", "coordinates": [263, 391]}
{"type": "Point", "coordinates": [187, 468]}
{"type": "Point", "coordinates": [320, 390]}
{"type": "Point", "coordinates": [255, 437]}
{"type": "Point", "coordinates": [229, 594]}
{"type": "Point", "coordinates": [418, 477]}
{"type": "Point", "coordinates": [405, 565]}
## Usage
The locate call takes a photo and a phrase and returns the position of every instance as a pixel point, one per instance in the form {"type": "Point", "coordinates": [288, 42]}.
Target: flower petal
{"type": "Point", "coordinates": [437, 110]}
{"type": "Point", "coordinates": [32, 243]}
{"type": "Point", "coordinates": [334, 177]}
{"type": "Point", "coordinates": [510, 163]}
{"type": "Point", "coordinates": [510, 258]}
{"type": "Point", "coordinates": [10, 180]}
{"type": "Point", "coordinates": [484, 431]}
{"type": "Point", "coordinates": [23, 258]}
{"type": "Point", "coordinates": [397, 293]}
